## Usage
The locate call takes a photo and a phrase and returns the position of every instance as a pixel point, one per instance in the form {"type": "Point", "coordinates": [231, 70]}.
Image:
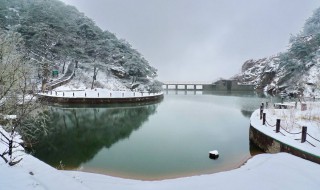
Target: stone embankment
{"type": "Point", "coordinates": [99, 96]}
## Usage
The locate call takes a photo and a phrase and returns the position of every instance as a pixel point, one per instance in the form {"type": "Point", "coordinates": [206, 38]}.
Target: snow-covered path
{"type": "Point", "coordinates": [66, 77]}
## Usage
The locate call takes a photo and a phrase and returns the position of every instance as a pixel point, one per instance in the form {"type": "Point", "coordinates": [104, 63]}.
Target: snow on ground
{"type": "Point", "coordinates": [266, 171]}
{"type": "Point", "coordinates": [292, 121]}
{"type": "Point", "coordinates": [311, 88]}
{"type": "Point", "coordinates": [32, 173]}
{"type": "Point", "coordinates": [83, 79]}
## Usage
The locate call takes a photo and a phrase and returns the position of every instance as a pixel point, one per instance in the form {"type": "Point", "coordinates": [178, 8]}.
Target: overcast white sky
{"type": "Point", "coordinates": [200, 40]}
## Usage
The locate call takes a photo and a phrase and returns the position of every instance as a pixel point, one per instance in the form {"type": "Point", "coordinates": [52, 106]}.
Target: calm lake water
{"type": "Point", "coordinates": [167, 139]}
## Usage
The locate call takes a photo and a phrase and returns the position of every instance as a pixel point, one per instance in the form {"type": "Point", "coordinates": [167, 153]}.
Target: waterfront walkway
{"type": "Point", "coordinates": [98, 96]}
{"type": "Point", "coordinates": [294, 130]}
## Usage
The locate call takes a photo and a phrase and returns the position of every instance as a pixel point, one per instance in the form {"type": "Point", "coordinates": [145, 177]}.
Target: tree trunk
{"type": "Point", "coordinates": [94, 77]}
{"type": "Point", "coordinates": [64, 65]}
{"type": "Point", "coordinates": [92, 84]}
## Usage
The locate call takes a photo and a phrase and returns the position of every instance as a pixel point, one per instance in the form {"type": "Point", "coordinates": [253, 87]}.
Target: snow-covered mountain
{"type": "Point", "coordinates": [296, 71]}
{"type": "Point", "coordinates": [55, 34]}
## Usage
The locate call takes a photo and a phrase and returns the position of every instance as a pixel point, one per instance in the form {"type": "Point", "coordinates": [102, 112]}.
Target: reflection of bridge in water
{"type": "Point", "coordinates": [221, 85]}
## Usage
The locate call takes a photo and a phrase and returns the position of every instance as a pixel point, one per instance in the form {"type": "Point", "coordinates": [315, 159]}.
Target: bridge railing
{"type": "Point", "coordinates": [186, 82]}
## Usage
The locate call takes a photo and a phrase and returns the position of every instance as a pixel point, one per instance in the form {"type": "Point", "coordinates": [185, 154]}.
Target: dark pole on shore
{"type": "Point", "coordinates": [278, 126]}
{"type": "Point", "coordinates": [261, 112]}
{"type": "Point", "coordinates": [264, 119]}
{"type": "Point", "coordinates": [304, 134]}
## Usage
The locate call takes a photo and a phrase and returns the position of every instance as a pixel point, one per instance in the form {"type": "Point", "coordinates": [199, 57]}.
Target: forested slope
{"type": "Point", "coordinates": [294, 71]}
{"type": "Point", "coordinates": [56, 33]}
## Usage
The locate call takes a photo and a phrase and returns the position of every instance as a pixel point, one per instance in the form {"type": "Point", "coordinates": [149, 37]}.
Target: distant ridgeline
{"type": "Point", "coordinates": [59, 33]}
{"type": "Point", "coordinates": [295, 71]}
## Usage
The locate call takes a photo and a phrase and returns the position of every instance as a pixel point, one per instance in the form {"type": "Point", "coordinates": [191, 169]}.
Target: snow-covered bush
{"type": "Point", "coordinates": [19, 110]}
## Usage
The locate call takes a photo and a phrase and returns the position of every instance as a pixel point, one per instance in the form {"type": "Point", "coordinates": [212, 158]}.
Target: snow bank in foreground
{"type": "Point", "coordinates": [32, 173]}
{"type": "Point", "coordinates": [266, 171]}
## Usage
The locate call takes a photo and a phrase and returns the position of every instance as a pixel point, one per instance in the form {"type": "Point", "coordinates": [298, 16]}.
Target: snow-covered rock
{"type": "Point", "coordinates": [295, 71]}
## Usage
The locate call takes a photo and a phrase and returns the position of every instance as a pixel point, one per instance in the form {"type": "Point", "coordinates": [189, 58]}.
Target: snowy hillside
{"type": "Point", "coordinates": [295, 71]}
{"type": "Point", "coordinates": [54, 34]}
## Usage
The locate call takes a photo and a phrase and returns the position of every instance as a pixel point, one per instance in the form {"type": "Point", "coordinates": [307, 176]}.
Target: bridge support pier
{"type": "Point", "coordinates": [176, 87]}
{"type": "Point", "coordinates": [186, 87]}
{"type": "Point", "coordinates": [195, 87]}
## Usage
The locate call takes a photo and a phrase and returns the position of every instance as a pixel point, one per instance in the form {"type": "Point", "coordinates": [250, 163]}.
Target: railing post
{"type": "Point", "coordinates": [296, 105]}
{"type": "Point", "coordinates": [98, 94]}
{"type": "Point", "coordinates": [304, 134]}
{"type": "Point", "coordinates": [267, 105]}
{"type": "Point", "coordinates": [85, 94]}
{"type": "Point", "coordinates": [110, 94]}
{"type": "Point", "coordinates": [63, 93]}
{"type": "Point", "coordinates": [261, 112]}
{"type": "Point", "coordinates": [264, 119]}
{"type": "Point", "coordinates": [262, 105]}
{"type": "Point", "coordinates": [122, 94]}
{"type": "Point", "coordinates": [278, 126]}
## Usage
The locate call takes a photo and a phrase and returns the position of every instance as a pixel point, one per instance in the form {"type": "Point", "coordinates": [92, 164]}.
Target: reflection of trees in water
{"type": "Point", "coordinates": [246, 113]}
{"type": "Point", "coordinates": [76, 135]}
{"type": "Point", "coordinates": [248, 106]}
